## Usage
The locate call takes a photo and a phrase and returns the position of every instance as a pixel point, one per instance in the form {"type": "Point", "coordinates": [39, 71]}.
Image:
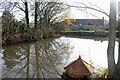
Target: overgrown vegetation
{"type": "Point", "coordinates": [103, 73]}
{"type": "Point", "coordinates": [46, 15]}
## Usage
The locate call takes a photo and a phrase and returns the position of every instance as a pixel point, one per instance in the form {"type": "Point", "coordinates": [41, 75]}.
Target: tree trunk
{"type": "Point", "coordinates": [36, 15]}
{"type": "Point", "coordinates": [27, 15]}
{"type": "Point", "coordinates": [118, 63]}
{"type": "Point", "coordinates": [112, 36]}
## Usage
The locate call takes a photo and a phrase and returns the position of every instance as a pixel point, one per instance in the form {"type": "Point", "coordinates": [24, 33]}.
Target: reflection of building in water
{"type": "Point", "coordinates": [79, 69]}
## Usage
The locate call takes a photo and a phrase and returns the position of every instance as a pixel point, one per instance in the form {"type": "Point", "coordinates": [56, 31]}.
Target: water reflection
{"type": "Point", "coordinates": [94, 50]}
{"type": "Point", "coordinates": [43, 59]}
{"type": "Point", "coordinates": [47, 58]}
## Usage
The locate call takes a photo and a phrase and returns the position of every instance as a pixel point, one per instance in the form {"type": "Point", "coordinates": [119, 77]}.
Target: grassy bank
{"type": "Point", "coordinates": [88, 33]}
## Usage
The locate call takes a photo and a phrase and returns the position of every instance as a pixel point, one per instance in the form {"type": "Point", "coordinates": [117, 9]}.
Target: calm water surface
{"type": "Point", "coordinates": [47, 58]}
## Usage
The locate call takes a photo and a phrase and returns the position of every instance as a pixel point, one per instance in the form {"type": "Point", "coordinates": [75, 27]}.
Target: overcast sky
{"type": "Point", "coordinates": [103, 4]}
{"type": "Point", "coordinates": [75, 13]}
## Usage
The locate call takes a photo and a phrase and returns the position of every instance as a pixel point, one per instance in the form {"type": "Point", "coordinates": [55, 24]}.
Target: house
{"type": "Point", "coordinates": [79, 69]}
{"type": "Point", "coordinates": [88, 24]}
{"type": "Point", "coordinates": [84, 24]}
{"type": "Point", "coordinates": [89, 21]}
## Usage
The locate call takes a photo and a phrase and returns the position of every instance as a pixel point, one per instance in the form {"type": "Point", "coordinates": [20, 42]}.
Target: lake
{"type": "Point", "coordinates": [47, 58]}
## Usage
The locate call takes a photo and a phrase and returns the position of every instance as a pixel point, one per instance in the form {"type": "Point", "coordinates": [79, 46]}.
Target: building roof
{"type": "Point", "coordinates": [89, 21]}
{"type": "Point", "coordinates": [80, 67]}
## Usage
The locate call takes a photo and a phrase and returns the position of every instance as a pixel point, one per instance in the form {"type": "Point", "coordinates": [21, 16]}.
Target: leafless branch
{"type": "Point", "coordinates": [87, 7]}
{"type": "Point", "coordinates": [88, 13]}
{"type": "Point", "coordinates": [18, 6]}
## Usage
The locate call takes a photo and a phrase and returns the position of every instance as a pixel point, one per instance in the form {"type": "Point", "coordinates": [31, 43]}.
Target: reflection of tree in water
{"type": "Point", "coordinates": [42, 59]}
{"type": "Point", "coordinates": [13, 55]}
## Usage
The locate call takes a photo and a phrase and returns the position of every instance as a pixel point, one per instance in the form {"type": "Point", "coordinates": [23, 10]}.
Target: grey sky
{"type": "Point", "coordinates": [75, 13]}
{"type": "Point", "coordinates": [103, 4]}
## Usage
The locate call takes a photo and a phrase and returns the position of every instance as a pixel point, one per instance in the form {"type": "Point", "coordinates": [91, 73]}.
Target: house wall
{"type": "Point", "coordinates": [95, 27]}
{"type": "Point", "coordinates": [91, 24]}
{"type": "Point", "coordinates": [81, 24]}
{"type": "Point", "coordinates": [89, 21]}
{"type": "Point", "coordinates": [90, 27]}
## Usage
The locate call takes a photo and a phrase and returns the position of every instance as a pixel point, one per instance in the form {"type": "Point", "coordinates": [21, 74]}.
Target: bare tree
{"type": "Point", "coordinates": [47, 15]}
{"type": "Point", "coordinates": [83, 6]}
{"type": "Point", "coordinates": [36, 15]}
